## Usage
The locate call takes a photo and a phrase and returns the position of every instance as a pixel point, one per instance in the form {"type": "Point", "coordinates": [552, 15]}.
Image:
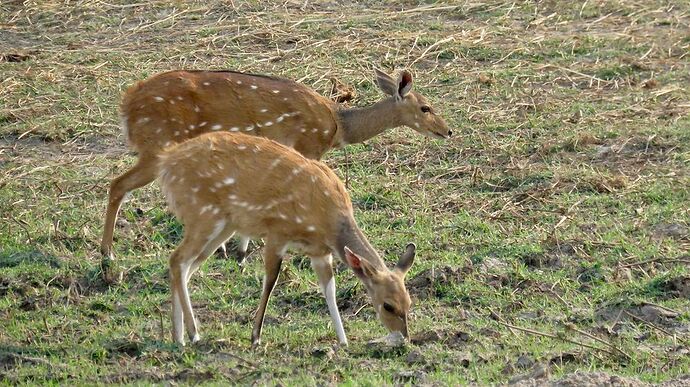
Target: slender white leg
{"type": "Point", "coordinates": [178, 321]}
{"type": "Point", "coordinates": [244, 244]}
{"type": "Point", "coordinates": [189, 319]}
{"type": "Point", "coordinates": [324, 270]}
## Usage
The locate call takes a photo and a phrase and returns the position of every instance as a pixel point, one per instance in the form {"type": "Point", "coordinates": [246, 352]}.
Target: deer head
{"type": "Point", "coordinates": [414, 110]}
{"type": "Point", "coordinates": [386, 288]}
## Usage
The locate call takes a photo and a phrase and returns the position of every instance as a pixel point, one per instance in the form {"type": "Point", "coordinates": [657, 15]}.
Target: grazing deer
{"type": "Point", "coordinates": [219, 184]}
{"type": "Point", "coordinates": [173, 107]}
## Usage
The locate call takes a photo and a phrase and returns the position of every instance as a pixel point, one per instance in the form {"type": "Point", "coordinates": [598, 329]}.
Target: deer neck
{"type": "Point", "coordinates": [351, 236]}
{"type": "Point", "coordinates": [361, 124]}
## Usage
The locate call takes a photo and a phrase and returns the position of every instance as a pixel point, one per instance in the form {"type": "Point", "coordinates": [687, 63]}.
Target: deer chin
{"type": "Point", "coordinates": [435, 135]}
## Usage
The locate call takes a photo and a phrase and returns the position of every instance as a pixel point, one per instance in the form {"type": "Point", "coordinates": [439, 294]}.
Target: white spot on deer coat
{"type": "Point", "coordinates": [205, 208]}
{"type": "Point", "coordinates": [143, 120]}
{"type": "Point", "coordinates": [197, 108]}
{"type": "Point", "coordinates": [229, 180]}
{"type": "Point", "coordinates": [203, 124]}
{"type": "Point", "coordinates": [177, 133]}
{"type": "Point", "coordinates": [311, 228]}
{"type": "Point", "coordinates": [249, 128]}
{"type": "Point", "coordinates": [195, 189]}
{"type": "Point", "coordinates": [159, 99]}
{"type": "Point", "coordinates": [263, 110]}
{"type": "Point", "coordinates": [238, 82]}
{"type": "Point", "coordinates": [254, 87]}
{"type": "Point", "coordinates": [268, 123]}
{"type": "Point", "coordinates": [159, 130]}
{"type": "Point", "coordinates": [179, 98]}
{"type": "Point", "coordinates": [276, 91]}
{"type": "Point", "coordinates": [298, 219]}
{"type": "Point", "coordinates": [234, 129]}
{"type": "Point", "coordinates": [241, 147]}
{"type": "Point", "coordinates": [216, 127]}
{"type": "Point", "coordinates": [192, 127]}
{"type": "Point", "coordinates": [207, 83]}
{"type": "Point", "coordinates": [416, 125]}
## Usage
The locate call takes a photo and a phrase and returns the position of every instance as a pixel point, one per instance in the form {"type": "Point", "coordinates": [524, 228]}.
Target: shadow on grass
{"type": "Point", "coordinates": [15, 257]}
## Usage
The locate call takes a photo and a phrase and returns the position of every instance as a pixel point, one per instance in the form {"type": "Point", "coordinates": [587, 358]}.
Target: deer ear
{"type": "Point", "coordinates": [406, 259]}
{"type": "Point", "coordinates": [361, 267]}
{"type": "Point", "coordinates": [386, 83]}
{"type": "Point", "coordinates": [404, 83]}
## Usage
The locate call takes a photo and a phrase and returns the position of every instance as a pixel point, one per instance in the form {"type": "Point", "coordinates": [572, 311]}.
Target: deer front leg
{"type": "Point", "coordinates": [323, 266]}
{"type": "Point", "coordinates": [273, 258]}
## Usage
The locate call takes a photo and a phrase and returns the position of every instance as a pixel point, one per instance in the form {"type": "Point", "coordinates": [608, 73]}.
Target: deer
{"type": "Point", "coordinates": [173, 107]}
{"type": "Point", "coordinates": [218, 184]}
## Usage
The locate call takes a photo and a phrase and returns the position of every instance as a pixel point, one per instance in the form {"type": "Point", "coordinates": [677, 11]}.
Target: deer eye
{"type": "Point", "coordinates": [426, 109]}
{"type": "Point", "coordinates": [388, 307]}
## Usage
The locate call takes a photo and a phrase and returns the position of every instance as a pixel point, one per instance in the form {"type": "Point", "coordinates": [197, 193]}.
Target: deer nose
{"type": "Point", "coordinates": [450, 133]}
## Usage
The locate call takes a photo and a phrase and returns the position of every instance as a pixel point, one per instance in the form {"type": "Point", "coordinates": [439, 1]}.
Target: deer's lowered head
{"type": "Point", "coordinates": [386, 288]}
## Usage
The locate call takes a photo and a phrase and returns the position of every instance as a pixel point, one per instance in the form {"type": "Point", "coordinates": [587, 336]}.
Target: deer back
{"type": "Point", "coordinates": [175, 106]}
{"type": "Point", "coordinates": [259, 186]}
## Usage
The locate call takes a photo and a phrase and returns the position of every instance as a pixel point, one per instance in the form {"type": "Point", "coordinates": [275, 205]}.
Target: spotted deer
{"type": "Point", "coordinates": [223, 183]}
{"type": "Point", "coordinates": [172, 107]}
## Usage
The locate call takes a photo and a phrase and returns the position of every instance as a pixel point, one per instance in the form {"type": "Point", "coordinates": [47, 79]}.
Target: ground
{"type": "Point", "coordinates": [553, 229]}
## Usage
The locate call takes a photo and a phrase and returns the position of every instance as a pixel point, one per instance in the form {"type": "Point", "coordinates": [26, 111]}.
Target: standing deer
{"type": "Point", "coordinates": [173, 107]}
{"type": "Point", "coordinates": [219, 184]}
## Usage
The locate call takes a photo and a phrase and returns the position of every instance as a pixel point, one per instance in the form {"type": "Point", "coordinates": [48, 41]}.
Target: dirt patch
{"type": "Point", "coordinates": [424, 284]}
{"type": "Point", "coordinates": [670, 230]}
{"type": "Point", "coordinates": [554, 258]}
{"type": "Point", "coordinates": [539, 376]}
{"type": "Point", "coordinates": [614, 315]}
{"type": "Point", "coordinates": [125, 347]}
{"type": "Point", "coordinates": [450, 338]}
{"type": "Point", "coordinates": [678, 287]}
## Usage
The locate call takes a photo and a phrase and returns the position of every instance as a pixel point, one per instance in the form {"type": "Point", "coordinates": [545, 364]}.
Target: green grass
{"type": "Point", "coordinates": [561, 202]}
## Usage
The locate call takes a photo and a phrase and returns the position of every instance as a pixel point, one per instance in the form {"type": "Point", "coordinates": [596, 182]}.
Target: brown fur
{"type": "Point", "coordinates": [173, 107]}
{"type": "Point", "coordinates": [219, 184]}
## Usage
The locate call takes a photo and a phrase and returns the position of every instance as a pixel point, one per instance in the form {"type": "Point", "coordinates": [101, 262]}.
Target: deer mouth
{"type": "Point", "coordinates": [435, 135]}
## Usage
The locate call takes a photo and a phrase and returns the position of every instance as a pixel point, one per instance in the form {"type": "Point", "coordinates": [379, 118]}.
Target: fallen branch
{"type": "Point", "coordinates": [553, 336]}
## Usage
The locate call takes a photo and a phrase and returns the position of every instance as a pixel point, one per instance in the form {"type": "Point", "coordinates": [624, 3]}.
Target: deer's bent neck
{"type": "Point", "coordinates": [351, 236]}
{"type": "Point", "coordinates": [361, 124]}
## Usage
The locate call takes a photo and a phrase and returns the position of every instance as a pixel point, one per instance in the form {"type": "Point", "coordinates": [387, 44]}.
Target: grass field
{"type": "Point", "coordinates": [553, 229]}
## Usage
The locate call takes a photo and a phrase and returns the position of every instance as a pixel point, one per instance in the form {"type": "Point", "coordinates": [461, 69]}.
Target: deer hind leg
{"type": "Point", "coordinates": [209, 241]}
{"type": "Point", "coordinates": [323, 266]}
{"type": "Point", "coordinates": [180, 263]}
{"type": "Point", "coordinates": [242, 246]}
{"type": "Point", "coordinates": [273, 258]}
{"type": "Point", "coordinates": [141, 174]}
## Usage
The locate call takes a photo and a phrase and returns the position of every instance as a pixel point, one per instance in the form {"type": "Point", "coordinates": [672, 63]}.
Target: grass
{"type": "Point", "coordinates": [560, 204]}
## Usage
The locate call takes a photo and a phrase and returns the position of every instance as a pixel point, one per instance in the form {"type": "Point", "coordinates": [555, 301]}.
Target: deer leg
{"type": "Point", "coordinates": [180, 262]}
{"type": "Point", "coordinates": [323, 266]}
{"type": "Point", "coordinates": [242, 246]}
{"type": "Point", "coordinates": [273, 258]}
{"type": "Point", "coordinates": [221, 232]}
{"type": "Point", "coordinates": [141, 174]}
